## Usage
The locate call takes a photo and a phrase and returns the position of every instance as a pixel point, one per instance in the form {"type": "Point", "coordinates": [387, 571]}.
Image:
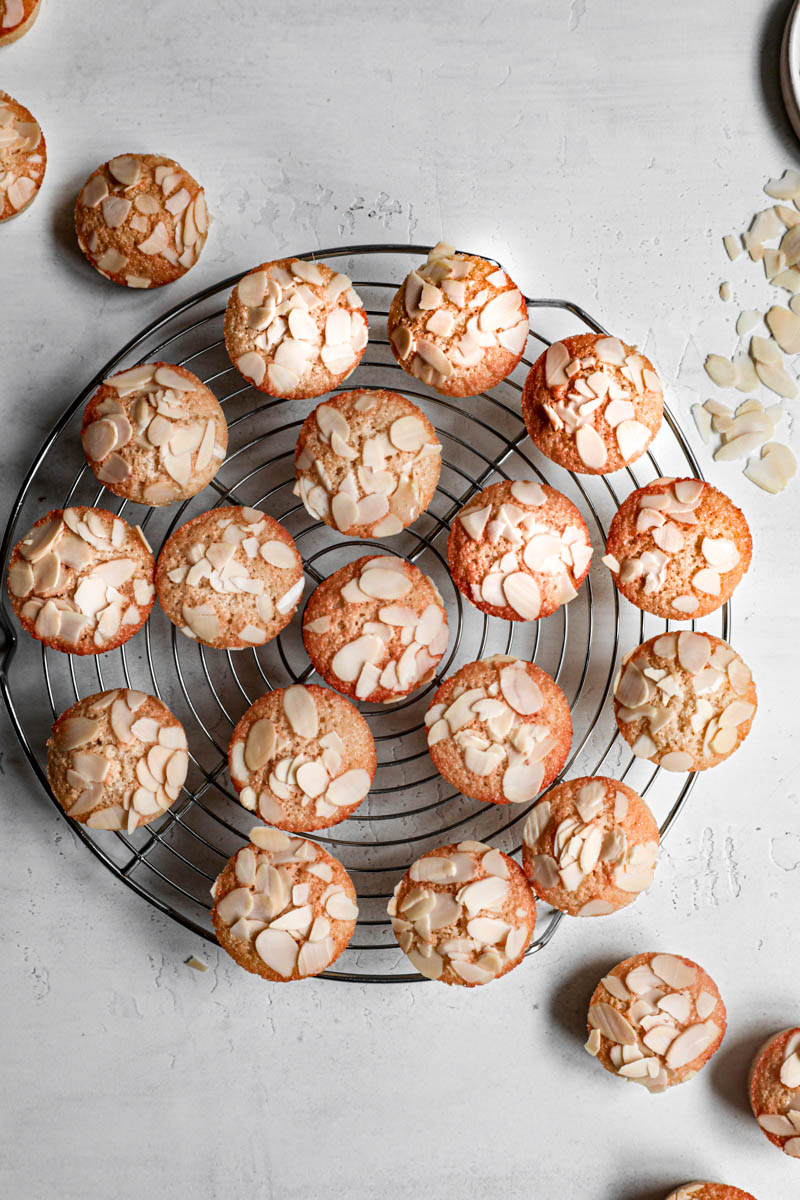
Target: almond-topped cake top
{"type": "Point", "coordinates": [592, 403]}
{"type": "Point", "coordinates": [775, 1090]}
{"type": "Point", "coordinates": [23, 157]}
{"type": "Point", "coordinates": [154, 434]}
{"type": "Point", "coordinates": [499, 730]}
{"type": "Point", "coordinates": [678, 548]}
{"type": "Point", "coordinates": [519, 550]}
{"type": "Point", "coordinates": [684, 700]}
{"type": "Point", "coordinates": [82, 580]}
{"type": "Point", "coordinates": [376, 629]}
{"type": "Point", "coordinates": [463, 914]}
{"type": "Point", "coordinates": [302, 757]}
{"type": "Point", "coordinates": [141, 220]}
{"type": "Point", "coordinates": [117, 760]}
{"type": "Point", "coordinates": [458, 323]}
{"type": "Point", "coordinates": [656, 1019]}
{"type": "Point", "coordinates": [230, 578]}
{"type": "Point", "coordinates": [284, 908]}
{"type": "Point", "coordinates": [590, 846]}
{"type": "Point", "coordinates": [367, 462]}
{"type": "Point", "coordinates": [295, 328]}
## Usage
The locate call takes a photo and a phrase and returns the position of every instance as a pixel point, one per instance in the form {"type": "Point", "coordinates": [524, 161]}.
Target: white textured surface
{"type": "Point", "coordinates": [600, 149]}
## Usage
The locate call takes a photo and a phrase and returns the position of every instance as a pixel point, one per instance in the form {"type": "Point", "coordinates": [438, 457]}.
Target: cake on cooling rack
{"type": "Point", "coordinates": [592, 403]}
{"type": "Point", "coordinates": [23, 156]}
{"type": "Point", "coordinates": [230, 578]}
{"type": "Point", "coordinates": [295, 328]}
{"type": "Point", "coordinates": [154, 434]}
{"type": "Point", "coordinates": [284, 908]}
{"type": "Point", "coordinates": [82, 580]}
{"type": "Point", "coordinates": [302, 758]}
{"type": "Point", "coordinates": [656, 1019]}
{"type": "Point", "coordinates": [458, 323]}
{"type": "Point", "coordinates": [376, 629]}
{"type": "Point", "coordinates": [519, 550]}
{"type": "Point", "coordinates": [678, 548]}
{"type": "Point", "coordinates": [499, 730]}
{"type": "Point", "coordinates": [463, 914]}
{"type": "Point", "coordinates": [141, 220]}
{"type": "Point", "coordinates": [367, 463]}
{"type": "Point", "coordinates": [590, 846]}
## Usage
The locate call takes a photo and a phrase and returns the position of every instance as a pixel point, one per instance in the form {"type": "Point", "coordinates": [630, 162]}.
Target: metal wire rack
{"type": "Point", "coordinates": [173, 861]}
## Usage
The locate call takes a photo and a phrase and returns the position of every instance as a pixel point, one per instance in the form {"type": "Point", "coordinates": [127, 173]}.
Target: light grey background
{"type": "Point", "coordinates": [600, 149]}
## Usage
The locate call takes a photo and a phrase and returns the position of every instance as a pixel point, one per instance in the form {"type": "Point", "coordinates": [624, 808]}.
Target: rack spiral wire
{"type": "Point", "coordinates": [173, 861]}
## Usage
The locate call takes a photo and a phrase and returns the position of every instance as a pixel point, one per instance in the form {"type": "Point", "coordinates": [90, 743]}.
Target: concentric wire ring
{"type": "Point", "coordinates": [173, 862]}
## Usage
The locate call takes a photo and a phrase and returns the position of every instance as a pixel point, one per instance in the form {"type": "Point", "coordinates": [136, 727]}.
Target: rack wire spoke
{"type": "Point", "coordinates": [411, 809]}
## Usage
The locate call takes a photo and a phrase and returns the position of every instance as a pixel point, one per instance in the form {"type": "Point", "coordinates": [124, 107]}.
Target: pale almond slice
{"type": "Point", "coordinates": [773, 376]}
{"type": "Point", "coordinates": [746, 377]}
{"type": "Point", "coordinates": [785, 188]}
{"type": "Point", "coordinates": [733, 247]}
{"type": "Point", "coordinates": [785, 328]}
{"type": "Point", "coordinates": [725, 292]}
{"type": "Point", "coordinates": [764, 350]}
{"type": "Point", "coordinates": [702, 420]}
{"type": "Point", "coordinates": [720, 370]}
{"type": "Point", "coordinates": [747, 321]}
{"type": "Point", "coordinates": [789, 278]}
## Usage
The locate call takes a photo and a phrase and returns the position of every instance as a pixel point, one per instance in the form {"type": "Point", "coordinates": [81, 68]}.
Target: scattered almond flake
{"type": "Point", "coordinates": [784, 326]}
{"type": "Point", "coordinates": [788, 279]}
{"type": "Point", "coordinates": [738, 447]}
{"type": "Point", "coordinates": [774, 263]}
{"type": "Point", "coordinates": [196, 964]}
{"type": "Point", "coordinates": [785, 188]}
{"type": "Point", "coordinates": [773, 376]}
{"type": "Point", "coordinates": [790, 245]}
{"type": "Point", "coordinates": [725, 290]}
{"type": "Point", "coordinates": [789, 216]}
{"type": "Point", "coordinates": [785, 458]}
{"type": "Point", "coordinates": [720, 370]}
{"type": "Point", "coordinates": [764, 350]}
{"type": "Point", "coordinates": [773, 470]}
{"type": "Point", "coordinates": [746, 379]}
{"type": "Point", "coordinates": [702, 419]}
{"type": "Point", "coordinates": [733, 247]}
{"type": "Point", "coordinates": [717, 408]}
{"type": "Point", "coordinates": [747, 321]}
{"type": "Point", "coordinates": [765, 226]}
{"type": "Point", "coordinates": [794, 303]}
{"type": "Point", "coordinates": [754, 248]}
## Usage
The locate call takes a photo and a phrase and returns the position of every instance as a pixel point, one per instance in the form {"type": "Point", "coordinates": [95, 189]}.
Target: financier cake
{"type": "Point", "coordinates": [284, 908]}
{"type": "Point", "coordinates": [141, 220]}
{"type": "Point", "coordinates": [82, 580]}
{"type": "Point", "coordinates": [590, 846]}
{"type": "Point", "coordinates": [295, 328]}
{"type": "Point", "coordinates": [592, 403]}
{"type": "Point", "coordinates": [458, 323]}
{"type": "Point", "coordinates": [302, 758]}
{"type": "Point", "coordinates": [230, 578]}
{"type": "Point", "coordinates": [117, 760]}
{"type": "Point", "coordinates": [155, 434]}
{"type": "Point", "coordinates": [709, 1191]}
{"type": "Point", "coordinates": [376, 629]}
{"type": "Point", "coordinates": [499, 730]}
{"type": "Point", "coordinates": [16, 18]}
{"type": "Point", "coordinates": [23, 156]}
{"type": "Point", "coordinates": [684, 700]}
{"type": "Point", "coordinates": [463, 914]}
{"type": "Point", "coordinates": [519, 550]}
{"type": "Point", "coordinates": [678, 548]}
{"type": "Point", "coordinates": [656, 1019]}
{"type": "Point", "coordinates": [774, 1087]}
{"type": "Point", "coordinates": [367, 463]}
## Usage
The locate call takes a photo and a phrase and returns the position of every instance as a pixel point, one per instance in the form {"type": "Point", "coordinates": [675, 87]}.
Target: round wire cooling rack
{"type": "Point", "coordinates": [173, 861]}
